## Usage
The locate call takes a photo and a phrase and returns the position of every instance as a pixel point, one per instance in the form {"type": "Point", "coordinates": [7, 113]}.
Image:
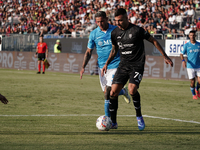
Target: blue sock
{"type": "Point", "coordinates": [197, 87]}
{"type": "Point", "coordinates": [106, 108]}
{"type": "Point", "coordinates": [193, 91]}
{"type": "Point", "coordinates": [121, 92]}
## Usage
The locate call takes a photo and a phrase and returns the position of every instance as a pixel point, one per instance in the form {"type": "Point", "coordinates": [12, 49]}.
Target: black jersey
{"type": "Point", "coordinates": [130, 43]}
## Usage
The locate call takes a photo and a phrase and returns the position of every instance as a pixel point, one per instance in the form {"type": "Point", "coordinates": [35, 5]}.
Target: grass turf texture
{"type": "Point", "coordinates": [59, 111]}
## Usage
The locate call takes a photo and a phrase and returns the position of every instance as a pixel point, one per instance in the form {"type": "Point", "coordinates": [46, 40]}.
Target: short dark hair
{"type": "Point", "coordinates": [120, 11]}
{"type": "Point", "coordinates": [193, 31]}
{"type": "Point", "coordinates": [100, 14]}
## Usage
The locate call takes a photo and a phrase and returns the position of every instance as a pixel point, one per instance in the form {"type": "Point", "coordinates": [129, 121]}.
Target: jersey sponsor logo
{"type": "Point", "coordinates": [105, 42]}
{"type": "Point", "coordinates": [194, 50]}
{"type": "Point", "coordinates": [130, 35]}
{"type": "Point", "coordinates": [127, 52]}
{"type": "Point", "coordinates": [119, 37]}
{"type": "Point", "coordinates": [122, 46]}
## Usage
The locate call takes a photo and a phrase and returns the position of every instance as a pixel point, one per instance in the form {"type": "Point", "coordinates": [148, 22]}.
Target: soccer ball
{"type": "Point", "coordinates": [103, 123]}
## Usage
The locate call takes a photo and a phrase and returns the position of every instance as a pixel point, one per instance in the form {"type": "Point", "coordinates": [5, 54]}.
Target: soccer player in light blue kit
{"type": "Point", "coordinates": [192, 50]}
{"type": "Point", "coordinates": [101, 39]}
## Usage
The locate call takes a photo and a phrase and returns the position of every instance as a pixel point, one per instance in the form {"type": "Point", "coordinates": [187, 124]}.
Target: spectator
{"type": "Point", "coordinates": [133, 18]}
{"type": "Point", "coordinates": [195, 21]}
{"type": "Point", "coordinates": [198, 6]}
{"type": "Point", "coordinates": [158, 28]}
{"type": "Point", "coordinates": [169, 35]}
{"type": "Point", "coordinates": [198, 24]}
{"type": "Point", "coordinates": [57, 33]}
{"type": "Point", "coordinates": [154, 17]}
{"type": "Point", "coordinates": [156, 34]}
{"type": "Point", "coordinates": [181, 35]}
{"type": "Point", "coordinates": [190, 14]}
{"type": "Point", "coordinates": [165, 28]}
{"type": "Point", "coordinates": [8, 29]}
{"type": "Point", "coordinates": [151, 30]}
{"type": "Point", "coordinates": [53, 29]}
{"type": "Point", "coordinates": [187, 29]}
{"type": "Point", "coordinates": [175, 34]}
{"type": "Point", "coordinates": [48, 14]}
{"type": "Point", "coordinates": [172, 21]}
{"type": "Point", "coordinates": [168, 5]}
{"type": "Point", "coordinates": [193, 27]}
{"type": "Point", "coordinates": [44, 28]}
{"type": "Point", "coordinates": [179, 19]}
{"type": "Point", "coordinates": [57, 47]}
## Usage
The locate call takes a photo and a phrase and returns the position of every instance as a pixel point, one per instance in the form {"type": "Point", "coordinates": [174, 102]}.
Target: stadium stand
{"type": "Point", "coordinates": [75, 18]}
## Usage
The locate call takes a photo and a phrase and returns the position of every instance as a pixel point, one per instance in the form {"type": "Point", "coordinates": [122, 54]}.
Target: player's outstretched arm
{"type": "Point", "coordinates": [159, 47]}
{"type": "Point", "coordinates": [110, 58]}
{"type": "Point", "coordinates": [3, 99]}
{"type": "Point", "coordinates": [86, 59]}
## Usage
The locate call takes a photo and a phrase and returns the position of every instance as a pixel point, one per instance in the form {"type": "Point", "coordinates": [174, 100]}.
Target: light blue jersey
{"type": "Point", "coordinates": [102, 41]}
{"type": "Point", "coordinates": [193, 54]}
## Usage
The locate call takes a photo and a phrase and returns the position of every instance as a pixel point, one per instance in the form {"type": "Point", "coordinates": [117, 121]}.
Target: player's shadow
{"type": "Point", "coordinates": [130, 131]}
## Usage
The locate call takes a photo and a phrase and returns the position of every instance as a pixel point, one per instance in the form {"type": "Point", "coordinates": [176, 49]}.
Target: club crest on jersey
{"type": "Point", "coordinates": [130, 35]}
{"type": "Point", "coordinates": [120, 45]}
{"type": "Point", "coordinates": [100, 43]}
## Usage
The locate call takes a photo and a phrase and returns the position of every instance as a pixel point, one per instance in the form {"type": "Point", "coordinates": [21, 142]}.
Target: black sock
{"type": "Point", "coordinates": [136, 102]}
{"type": "Point", "coordinates": [113, 108]}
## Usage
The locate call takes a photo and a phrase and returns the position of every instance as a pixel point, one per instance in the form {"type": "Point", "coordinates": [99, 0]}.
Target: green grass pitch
{"type": "Point", "coordinates": [59, 111]}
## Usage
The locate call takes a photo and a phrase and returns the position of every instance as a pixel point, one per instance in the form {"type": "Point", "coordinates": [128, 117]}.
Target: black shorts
{"type": "Point", "coordinates": [132, 73]}
{"type": "Point", "coordinates": [41, 56]}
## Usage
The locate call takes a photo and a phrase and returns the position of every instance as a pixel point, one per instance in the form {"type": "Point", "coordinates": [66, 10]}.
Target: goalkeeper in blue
{"type": "Point", "coordinates": [101, 39]}
{"type": "Point", "coordinates": [192, 50]}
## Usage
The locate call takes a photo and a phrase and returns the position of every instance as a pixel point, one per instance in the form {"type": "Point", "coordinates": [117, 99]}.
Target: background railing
{"type": "Point", "coordinates": [20, 42]}
{"type": "Point", "coordinates": [28, 42]}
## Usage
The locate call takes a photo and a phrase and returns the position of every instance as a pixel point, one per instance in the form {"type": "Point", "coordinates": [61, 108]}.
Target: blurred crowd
{"type": "Point", "coordinates": [60, 17]}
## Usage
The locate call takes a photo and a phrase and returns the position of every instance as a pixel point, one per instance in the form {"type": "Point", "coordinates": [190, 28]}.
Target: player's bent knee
{"type": "Point", "coordinates": [132, 89]}
{"type": "Point", "coordinates": [113, 94]}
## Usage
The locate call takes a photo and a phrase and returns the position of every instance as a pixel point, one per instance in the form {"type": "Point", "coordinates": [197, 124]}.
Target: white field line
{"type": "Point", "coordinates": [77, 115]}
{"type": "Point", "coordinates": [171, 119]}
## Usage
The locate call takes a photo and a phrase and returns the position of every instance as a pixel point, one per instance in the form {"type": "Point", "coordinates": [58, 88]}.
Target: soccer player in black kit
{"type": "Point", "coordinates": [128, 38]}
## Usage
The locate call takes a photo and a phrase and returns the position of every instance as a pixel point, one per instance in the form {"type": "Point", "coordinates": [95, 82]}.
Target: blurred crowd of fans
{"type": "Point", "coordinates": [70, 17]}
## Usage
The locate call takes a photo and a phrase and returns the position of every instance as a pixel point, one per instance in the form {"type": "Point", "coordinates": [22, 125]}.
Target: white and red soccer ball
{"type": "Point", "coordinates": [103, 123]}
